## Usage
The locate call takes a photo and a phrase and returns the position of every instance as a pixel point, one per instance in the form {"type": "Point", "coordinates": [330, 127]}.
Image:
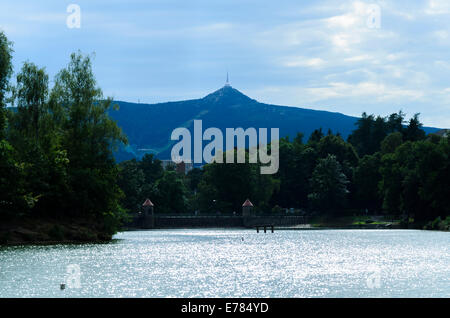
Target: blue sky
{"type": "Point", "coordinates": [324, 55]}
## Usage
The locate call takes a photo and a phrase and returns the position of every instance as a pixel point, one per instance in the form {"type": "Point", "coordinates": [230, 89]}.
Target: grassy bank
{"type": "Point", "coordinates": [378, 222]}
{"type": "Point", "coordinates": [51, 231]}
{"type": "Point", "coordinates": [370, 222]}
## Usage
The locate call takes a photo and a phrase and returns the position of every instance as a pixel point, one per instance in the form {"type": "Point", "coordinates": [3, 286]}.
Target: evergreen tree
{"type": "Point", "coordinates": [365, 183]}
{"type": "Point", "coordinates": [414, 131]}
{"type": "Point", "coordinates": [328, 185]}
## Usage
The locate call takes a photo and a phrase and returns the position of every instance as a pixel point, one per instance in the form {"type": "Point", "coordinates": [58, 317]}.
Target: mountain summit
{"type": "Point", "coordinates": [227, 95]}
{"type": "Point", "coordinates": [149, 126]}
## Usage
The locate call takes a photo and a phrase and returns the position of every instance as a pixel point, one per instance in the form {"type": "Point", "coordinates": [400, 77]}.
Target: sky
{"type": "Point", "coordinates": [342, 56]}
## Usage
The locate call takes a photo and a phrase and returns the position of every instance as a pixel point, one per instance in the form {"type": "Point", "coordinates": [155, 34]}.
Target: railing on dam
{"type": "Point", "coordinates": [180, 221]}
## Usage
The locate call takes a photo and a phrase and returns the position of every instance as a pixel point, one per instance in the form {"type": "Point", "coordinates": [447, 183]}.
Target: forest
{"type": "Point", "coordinates": [57, 164]}
{"type": "Point", "coordinates": [386, 167]}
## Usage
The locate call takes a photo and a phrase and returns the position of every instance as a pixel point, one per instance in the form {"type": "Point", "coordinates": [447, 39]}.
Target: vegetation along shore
{"type": "Point", "coordinates": [60, 182]}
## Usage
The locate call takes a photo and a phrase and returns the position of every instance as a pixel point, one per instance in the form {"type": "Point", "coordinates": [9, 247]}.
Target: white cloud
{"type": "Point", "coordinates": [380, 91]}
{"type": "Point", "coordinates": [303, 62]}
{"type": "Point", "coordinates": [320, 53]}
{"type": "Point", "coordinates": [359, 58]}
{"type": "Point", "coordinates": [442, 64]}
{"type": "Point", "coordinates": [441, 34]}
{"type": "Point", "coordinates": [130, 29]}
{"type": "Point", "coordinates": [343, 21]}
{"type": "Point", "coordinates": [438, 7]}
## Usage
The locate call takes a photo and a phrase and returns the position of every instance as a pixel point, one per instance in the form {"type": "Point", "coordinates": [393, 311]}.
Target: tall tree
{"type": "Point", "coordinates": [328, 185]}
{"type": "Point", "coordinates": [361, 137]}
{"type": "Point", "coordinates": [170, 194]}
{"type": "Point", "coordinates": [152, 168]}
{"type": "Point", "coordinates": [414, 131]}
{"type": "Point", "coordinates": [13, 199]}
{"type": "Point", "coordinates": [395, 122]}
{"type": "Point", "coordinates": [365, 183]}
{"type": "Point", "coordinates": [89, 136]}
{"type": "Point", "coordinates": [5, 74]}
{"type": "Point", "coordinates": [391, 142]}
{"type": "Point", "coordinates": [31, 94]}
{"type": "Point", "coordinates": [371, 131]}
{"type": "Point", "coordinates": [131, 180]}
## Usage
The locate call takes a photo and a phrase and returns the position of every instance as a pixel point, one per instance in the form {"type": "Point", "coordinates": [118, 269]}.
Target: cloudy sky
{"type": "Point", "coordinates": [341, 56]}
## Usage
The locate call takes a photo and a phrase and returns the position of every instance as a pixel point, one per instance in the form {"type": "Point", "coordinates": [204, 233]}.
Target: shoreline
{"type": "Point", "coordinates": [80, 233]}
{"type": "Point", "coordinates": [75, 242]}
{"type": "Point", "coordinates": [49, 231]}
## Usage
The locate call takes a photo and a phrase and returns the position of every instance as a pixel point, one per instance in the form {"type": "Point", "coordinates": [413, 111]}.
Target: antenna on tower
{"type": "Point", "coordinates": [227, 82]}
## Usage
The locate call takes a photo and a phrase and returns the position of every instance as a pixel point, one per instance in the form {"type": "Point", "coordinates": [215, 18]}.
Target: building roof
{"type": "Point", "coordinates": [247, 203]}
{"type": "Point", "coordinates": [147, 203]}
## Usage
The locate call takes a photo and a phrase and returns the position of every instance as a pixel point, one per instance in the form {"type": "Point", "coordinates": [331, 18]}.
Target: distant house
{"type": "Point", "coordinates": [443, 132]}
{"type": "Point", "coordinates": [180, 167]}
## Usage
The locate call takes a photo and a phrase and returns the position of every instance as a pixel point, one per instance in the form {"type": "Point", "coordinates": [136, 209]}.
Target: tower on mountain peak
{"type": "Point", "coordinates": [227, 83]}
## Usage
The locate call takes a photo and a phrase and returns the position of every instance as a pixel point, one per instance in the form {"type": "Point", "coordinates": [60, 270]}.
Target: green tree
{"type": "Point", "coordinates": [194, 177]}
{"type": "Point", "coordinates": [316, 135]}
{"type": "Point", "coordinates": [13, 199]}
{"type": "Point", "coordinates": [391, 142]}
{"type": "Point", "coordinates": [328, 185]}
{"type": "Point", "coordinates": [365, 183]}
{"type": "Point", "coordinates": [415, 180]}
{"type": "Point", "coordinates": [224, 187]}
{"type": "Point", "coordinates": [131, 180]}
{"type": "Point", "coordinates": [414, 131]}
{"type": "Point", "coordinates": [295, 168]}
{"type": "Point", "coordinates": [89, 135]}
{"type": "Point", "coordinates": [31, 94]}
{"type": "Point", "coordinates": [286, 195]}
{"type": "Point", "coordinates": [11, 171]}
{"type": "Point", "coordinates": [336, 146]}
{"type": "Point", "coordinates": [371, 131]}
{"type": "Point", "coordinates": [395, 122]}
{"type": "Point", "coordinates": [390, 185]}
{"type": "Point", "coordinates": [362, 135]}
{"type": "Point", "coordinates": [170, 195]}
{"type": "Point", "coordinates": [32, 133]}
{"type": "Point", "coordinates": [5, 74]}
{"type": "Point", "coordinates": [152, 168]}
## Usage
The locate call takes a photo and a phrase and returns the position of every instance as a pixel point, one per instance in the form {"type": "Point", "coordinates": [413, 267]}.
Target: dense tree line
{"type": "Point", "coordinates": [56, 160]}
{"type": "Point", "coordinates": [56, 146]}
{"type": "Point", "coordinates": [386, 166]}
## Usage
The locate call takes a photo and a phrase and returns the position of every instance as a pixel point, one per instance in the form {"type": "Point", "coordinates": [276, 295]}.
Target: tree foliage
{"type": "Point", "coordinates": [57, 160]}
{"type": "Point", "coordinates": [57, 146]}
{"type": "Point", "coordinates": [328, 185]}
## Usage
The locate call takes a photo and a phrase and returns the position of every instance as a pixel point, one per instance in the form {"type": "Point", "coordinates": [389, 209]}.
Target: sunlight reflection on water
{"type": "Point", "coordinates": [218, 263]}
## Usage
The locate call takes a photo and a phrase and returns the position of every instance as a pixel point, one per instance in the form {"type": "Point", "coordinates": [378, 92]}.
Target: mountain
{"type": "Point", "coordinates": [149, 126]}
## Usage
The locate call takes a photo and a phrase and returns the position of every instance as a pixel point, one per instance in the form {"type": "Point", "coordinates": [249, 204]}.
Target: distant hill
{"type": "Point", "coordinates": [149, 126]}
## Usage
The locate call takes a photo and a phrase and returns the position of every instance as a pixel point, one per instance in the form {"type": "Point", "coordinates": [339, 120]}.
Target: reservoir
{"type": "Point", "coordinates": [235, 263]}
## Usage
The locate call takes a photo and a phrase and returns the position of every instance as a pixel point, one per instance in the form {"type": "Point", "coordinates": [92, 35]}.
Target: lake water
{"type": "Point", "coordinates": [235, 263]}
